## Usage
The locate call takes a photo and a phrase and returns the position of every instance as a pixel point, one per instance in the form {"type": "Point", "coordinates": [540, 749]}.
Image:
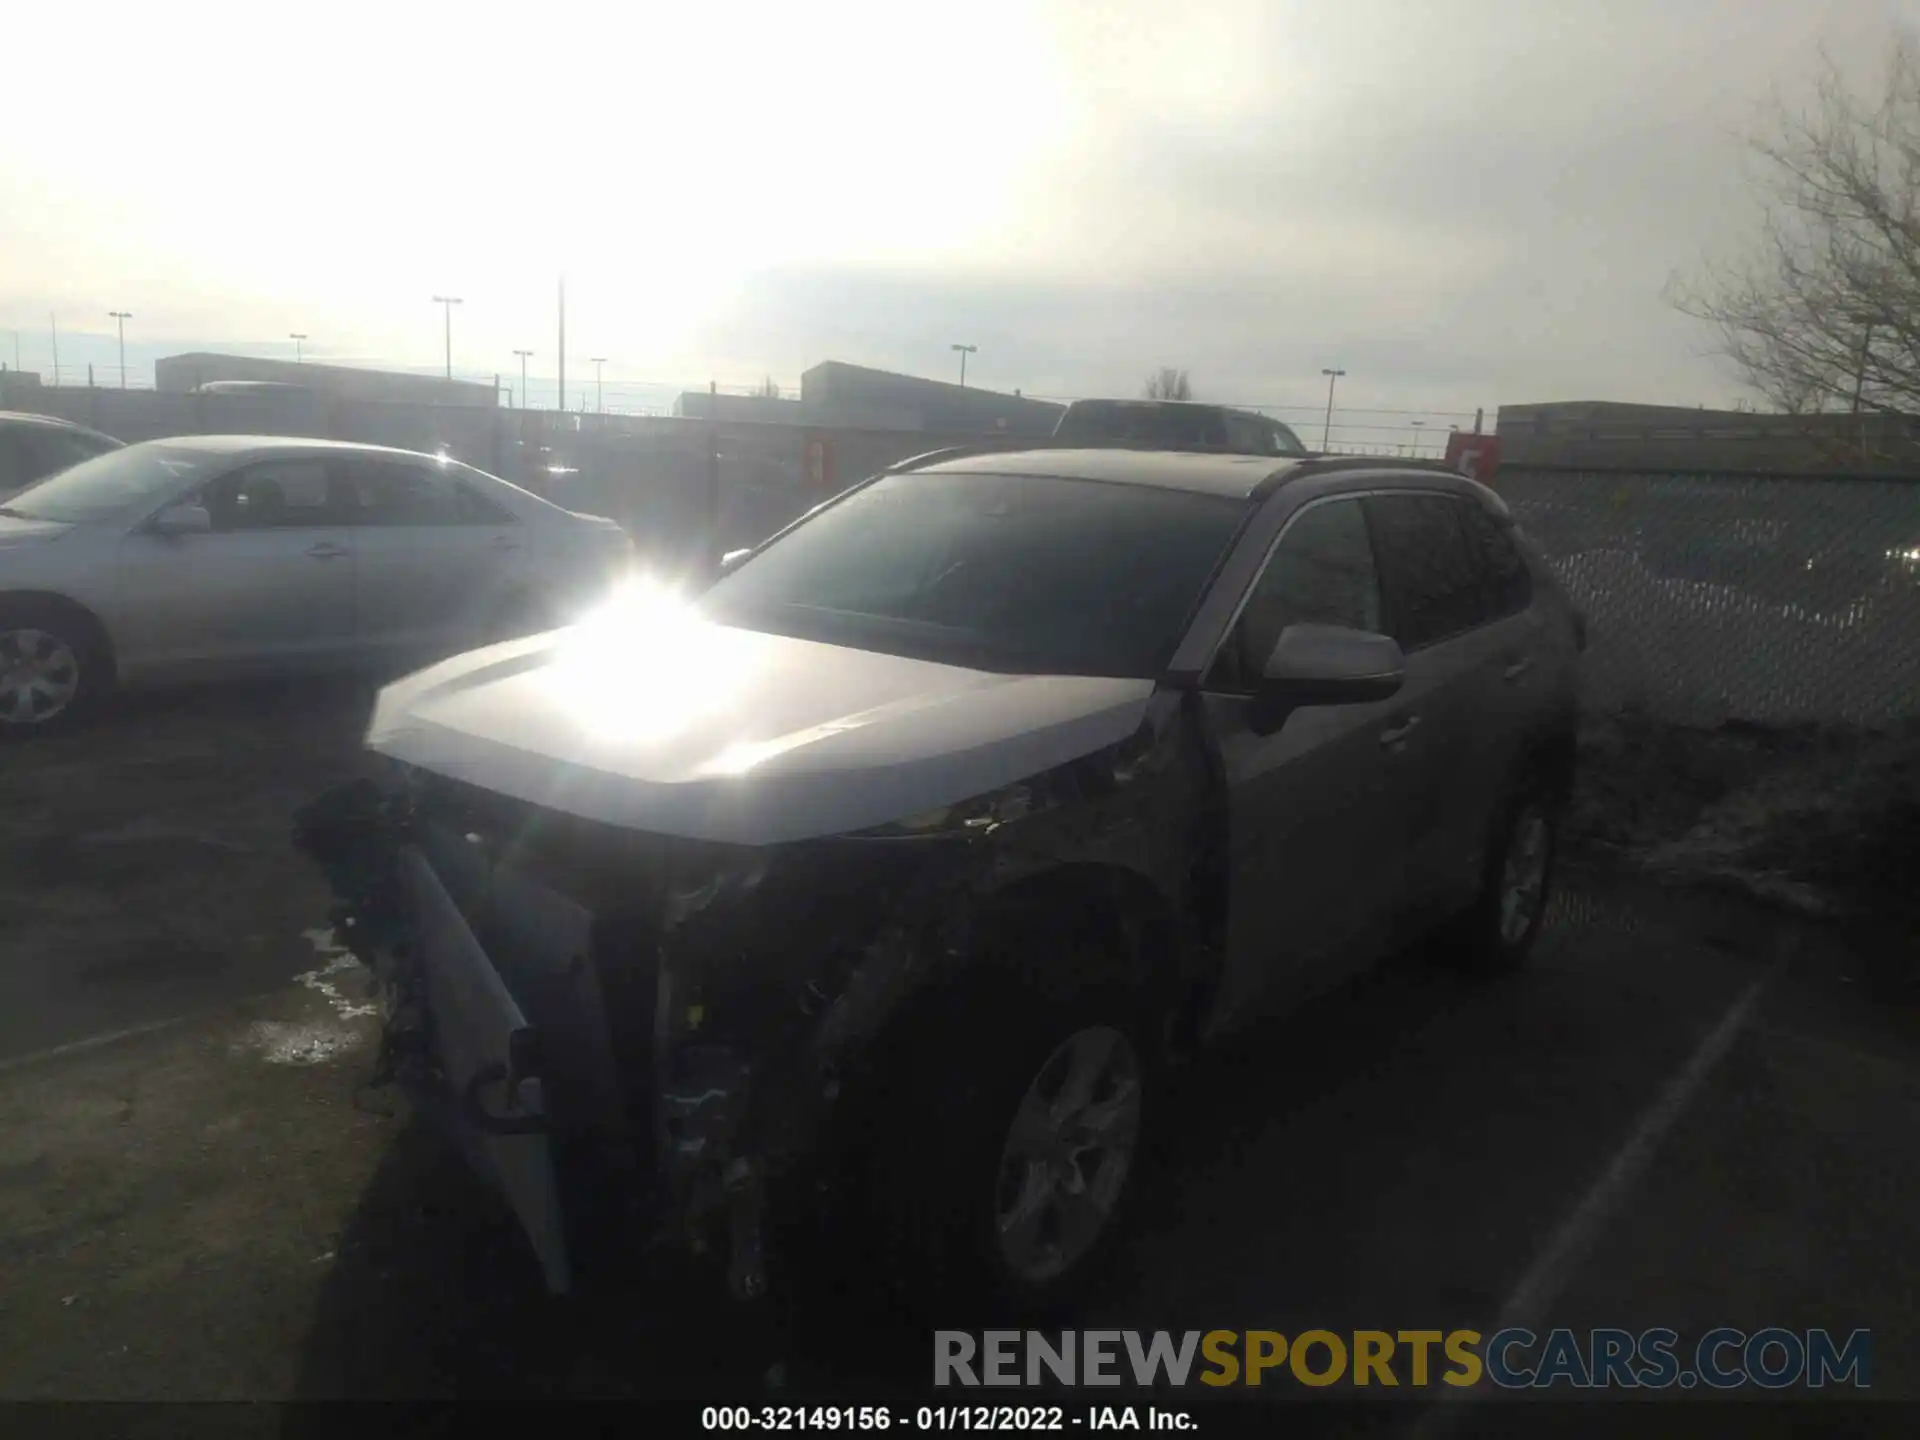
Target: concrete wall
{"type": "Point", "coordinates": [1596, 435]}
{"type": "Point", "coordinates": [650, 473]}
{"type": "Point", "coordinates": [941, 407]}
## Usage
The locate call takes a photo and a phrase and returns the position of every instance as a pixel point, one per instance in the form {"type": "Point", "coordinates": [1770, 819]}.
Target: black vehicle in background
{"type": "Point", "coordinates": [33, 447]}
{"type": "Point", "coordinates": [1176, 425]}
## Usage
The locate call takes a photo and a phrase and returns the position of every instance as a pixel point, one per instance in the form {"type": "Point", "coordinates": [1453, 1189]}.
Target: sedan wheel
{"type": "Point", "coordinates": [1068, 1154]}
{"type": "Point", "coordinates": [39, 676]}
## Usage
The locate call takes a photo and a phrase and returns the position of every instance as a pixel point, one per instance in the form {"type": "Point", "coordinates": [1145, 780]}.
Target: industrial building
{"type": "Point", "coordinates": [835, 395]}
{"type": "Point", "coordinates": [183, 374]}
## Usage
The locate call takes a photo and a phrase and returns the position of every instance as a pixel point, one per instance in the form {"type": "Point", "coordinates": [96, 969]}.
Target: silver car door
{"type": "Point", "coordinates": [272, 582]}
{"type": "Point", "coordinates": [436, 562]}
{"type": "Point", "coordinates": [1439, 611]}
{"type": "Point", "coordinates": [1311, 808]}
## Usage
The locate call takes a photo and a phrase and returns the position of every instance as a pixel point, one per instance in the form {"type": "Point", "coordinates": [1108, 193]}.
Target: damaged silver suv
{"type": "Point", "coordinates": [884, 877]}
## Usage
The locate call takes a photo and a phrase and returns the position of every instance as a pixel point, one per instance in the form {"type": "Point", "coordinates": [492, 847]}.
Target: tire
{"type": "Point", "coordinates": [1497, 933]}
{"type": "Point", "coordinates": [52, 667]}
{"type": "Point", "coordinates": [978, 1187]}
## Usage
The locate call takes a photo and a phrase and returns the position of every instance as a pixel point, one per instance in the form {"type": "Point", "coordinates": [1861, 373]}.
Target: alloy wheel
{"type": "Point", "coordinates": [39, 676]}
{"type": "Point", "coordinates": [1068, 1154]}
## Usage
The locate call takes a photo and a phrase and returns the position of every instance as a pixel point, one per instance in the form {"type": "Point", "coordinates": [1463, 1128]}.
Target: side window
{"type": "Point", "coordinates": [276, 495]}
{"type": "Point", "coordinates": [1285, 441]}
{"type": "Point", "coordinates": [1249, 435]}
{"type": "Point", "coordinates": [1320, 573]}
{"type": "Point", "coordinates": [476, 508]}
{"type": "Point", "coordinates": [1503, 572]}
{"type": "Point", "coordinates": [1430, 577]}
{"type": "Point", "coordinates": [16, 461]}
{"type": "Point", "coordinates": [388, 492]}
{"type": "Point", "coordinates": [54, 450]}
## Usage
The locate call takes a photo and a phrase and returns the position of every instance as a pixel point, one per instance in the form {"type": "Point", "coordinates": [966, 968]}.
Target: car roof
{"type": "Point", "coordinates": [280, 444]}
{"type": "Point", "coordinates": [1236, 476]}
{"type": "Point", "coordinates": [1205, 472]}
{"type": "Point", "coordinates": [52, 422]}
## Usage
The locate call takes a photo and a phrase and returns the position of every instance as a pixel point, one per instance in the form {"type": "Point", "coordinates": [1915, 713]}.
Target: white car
{"type": "Point", "coordinates": [215, 555]}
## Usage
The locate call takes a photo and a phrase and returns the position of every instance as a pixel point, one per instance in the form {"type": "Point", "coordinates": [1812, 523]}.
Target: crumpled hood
{"type": "Point", "coordinates": [700, 730]}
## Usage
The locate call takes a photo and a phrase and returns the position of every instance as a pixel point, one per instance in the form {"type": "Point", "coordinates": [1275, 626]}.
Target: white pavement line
{"type": "Point", "coordinates": [92, 1042]}
{"type": "Point", "coordinates": [1531, 1299]}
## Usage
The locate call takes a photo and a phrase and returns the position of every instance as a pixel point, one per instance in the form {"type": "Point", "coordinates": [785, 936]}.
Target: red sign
{"type": "Point", "coordinates": [1475, 456]}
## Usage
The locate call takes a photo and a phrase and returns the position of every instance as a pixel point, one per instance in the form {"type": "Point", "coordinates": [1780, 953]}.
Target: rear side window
{"type": "Point", "coordinates": [1431, 579]}
{"type": "Point", "coordinates": [1503, 572]}
{"type": "Point", "coordinates": [1321, 573]}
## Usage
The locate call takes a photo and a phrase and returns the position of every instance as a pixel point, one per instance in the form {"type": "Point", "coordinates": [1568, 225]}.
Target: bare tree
{"type": "Point", "coordinates": [1167, 383]}
{"type": "Point", "coordinates": [1824, 314]}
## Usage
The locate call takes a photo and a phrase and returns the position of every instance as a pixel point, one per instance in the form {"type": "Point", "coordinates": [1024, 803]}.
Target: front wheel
{"type": "Point", "coordinates": [46, 670]}
{"type": "Point", "coordinates": [1008, 1161]}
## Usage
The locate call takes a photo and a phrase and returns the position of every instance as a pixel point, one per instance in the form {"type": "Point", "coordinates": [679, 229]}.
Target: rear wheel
{"type": "Point", "coordinates": [50, 666]}
{"type": "Point", "coordinates": [1498, 932]}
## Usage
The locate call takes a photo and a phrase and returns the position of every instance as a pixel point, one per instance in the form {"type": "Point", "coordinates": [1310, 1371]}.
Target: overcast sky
{"type": "Point", "coordinates": [1460, 202]}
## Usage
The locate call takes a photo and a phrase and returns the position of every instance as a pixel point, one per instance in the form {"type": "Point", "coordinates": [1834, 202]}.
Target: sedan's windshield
{"type": "Point", "coordinates": [107, 484]}
{"type": "Point", "coordinates": [997, 572]}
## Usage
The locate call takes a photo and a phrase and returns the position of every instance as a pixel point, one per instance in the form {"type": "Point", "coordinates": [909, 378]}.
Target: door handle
{"type": "Point", "coordinates": [1397, 735]}
{"type": "Point", "coordinates": [326, 550]}
{"type": "Point", "coordinates": [1517, 669]}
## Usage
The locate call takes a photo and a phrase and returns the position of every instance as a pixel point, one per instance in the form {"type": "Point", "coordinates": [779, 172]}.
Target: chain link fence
{"type": "Point", "coordinates": [1717, 597]}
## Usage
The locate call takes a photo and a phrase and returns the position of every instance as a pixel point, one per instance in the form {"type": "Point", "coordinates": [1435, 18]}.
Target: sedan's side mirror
{"type": "Point", "coordinates": [1326, 665]}
{"type": "Point", "coordinates": [188, 518]}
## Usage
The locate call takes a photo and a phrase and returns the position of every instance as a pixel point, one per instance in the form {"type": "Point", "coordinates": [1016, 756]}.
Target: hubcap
{"type": "Point", "coordinates": [1067, 1154]}
{"type": "Point", "coordinates": [39, 676]}
{"type": "Point", "coordinates": [1523, 879]}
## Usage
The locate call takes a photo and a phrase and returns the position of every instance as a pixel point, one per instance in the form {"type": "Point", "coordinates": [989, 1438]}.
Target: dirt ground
{"type": "Point", "coordinates": [206, 1204]}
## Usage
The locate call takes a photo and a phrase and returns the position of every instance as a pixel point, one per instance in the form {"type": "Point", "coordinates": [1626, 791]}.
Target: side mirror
{"type": "Point", "coordinates": [733, 558]}
{"type": "Point", "coordinates": [1326, 665]}
{"type": "Point", "coordinates": [188, 518]}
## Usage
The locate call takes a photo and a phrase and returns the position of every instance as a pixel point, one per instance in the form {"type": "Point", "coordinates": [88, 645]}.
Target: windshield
{"type": "Point", "coordinates": [996, 572]}
{"type": "Point", "coordinates": [108, 484]}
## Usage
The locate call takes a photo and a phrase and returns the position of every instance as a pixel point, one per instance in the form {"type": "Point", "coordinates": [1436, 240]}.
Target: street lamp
{"type": "Point", "coordinates": [525, 403]}
{"type": "Point", "coordinates": [120, 318]}
{"type": "Point", "coordinates": [965, 350]}
{"type": "Point", "coordinates": [299, 338]}
{"type": "Point", "coordinates": [1416, 424]}
{"type": "Point", "coordinates": [448, 302]}
{"type": "Point", "coordinates": [1326, 432]}
{"type": "Point", "coordinates": [599, 392]}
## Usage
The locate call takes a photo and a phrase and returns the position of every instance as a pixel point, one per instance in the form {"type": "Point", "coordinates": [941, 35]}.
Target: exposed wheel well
{"type": "Point", "coordinates": [49, 604]}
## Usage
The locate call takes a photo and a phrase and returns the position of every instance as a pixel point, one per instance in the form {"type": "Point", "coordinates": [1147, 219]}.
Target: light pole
{"type": "Point", "coordinates": [525, 403]}
{"type": "Point", "coordinates": [599, 392]}
{"type": "Point", "coordinates": [1326, 431]}
{"type": "Point", "coordinates": [965, 350]}
{"type": "Point", "coordinates": [448, 302]}
{"type": "Point", "coordinates": [1416, 424]}
{"type": "Point", "coordinates": [299, 339]}
{"type": "Point", "coordinates": [120, 318]}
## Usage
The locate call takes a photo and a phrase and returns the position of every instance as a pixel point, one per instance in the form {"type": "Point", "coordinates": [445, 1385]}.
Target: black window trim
{"type": "Point", "coordinates": [1266, 558]}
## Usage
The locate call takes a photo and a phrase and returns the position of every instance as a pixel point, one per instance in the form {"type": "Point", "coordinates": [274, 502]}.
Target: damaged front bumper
{"type": "Point", "coordinates": [533, 1010]}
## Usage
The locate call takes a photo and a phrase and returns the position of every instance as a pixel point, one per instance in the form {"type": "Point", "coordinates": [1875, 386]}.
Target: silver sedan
{"type": "Point", "coordinates": [218, 555]}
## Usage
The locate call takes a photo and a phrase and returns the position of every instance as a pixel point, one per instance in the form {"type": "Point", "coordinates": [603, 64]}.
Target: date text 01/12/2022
{"type": "Point", "coordinates": [939, 1418]}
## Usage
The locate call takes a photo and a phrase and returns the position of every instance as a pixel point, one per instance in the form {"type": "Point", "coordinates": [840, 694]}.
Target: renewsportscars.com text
{"type": "Point", "coordinates": [1513, 1359]}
